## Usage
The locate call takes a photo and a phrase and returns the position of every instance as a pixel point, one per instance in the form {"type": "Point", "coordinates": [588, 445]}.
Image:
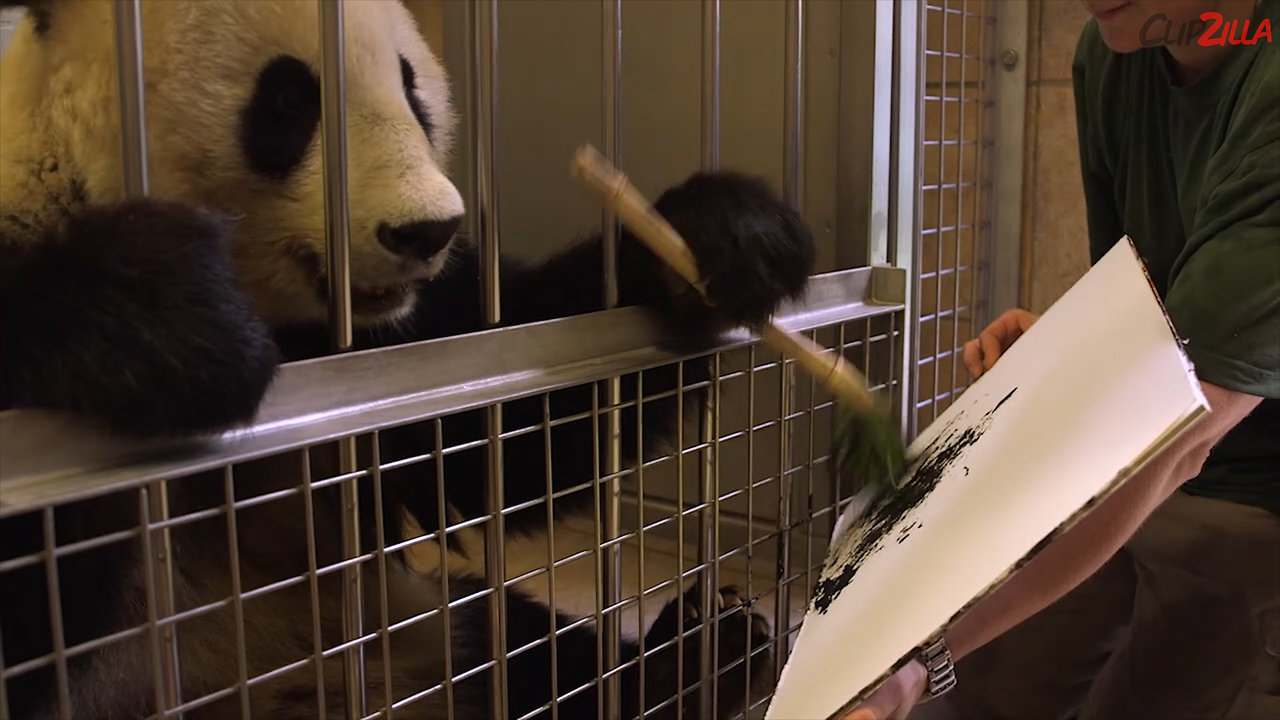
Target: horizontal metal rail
{"type": "Point", "coordinates": [48, 458]}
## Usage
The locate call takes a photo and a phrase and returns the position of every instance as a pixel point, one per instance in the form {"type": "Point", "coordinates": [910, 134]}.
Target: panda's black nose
{"type": "Point", "coordinates": [419, 240]}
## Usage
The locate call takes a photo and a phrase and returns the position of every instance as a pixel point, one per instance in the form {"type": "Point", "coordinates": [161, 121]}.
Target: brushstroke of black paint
{"type": "Point", "coordinates": [863, 539]}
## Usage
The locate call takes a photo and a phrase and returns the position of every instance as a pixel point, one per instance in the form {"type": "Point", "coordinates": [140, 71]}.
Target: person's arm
{"type": "Point", "coordinates": [1074, 556]}
{"type": "Point", "coordinates": [1082, 549]}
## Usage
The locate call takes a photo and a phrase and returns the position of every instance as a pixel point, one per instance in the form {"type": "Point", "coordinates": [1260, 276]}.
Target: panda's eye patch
{"type": "Point", "coordinates": [280, 121]}
{"type": "Point", "coordinates": [408, 79]}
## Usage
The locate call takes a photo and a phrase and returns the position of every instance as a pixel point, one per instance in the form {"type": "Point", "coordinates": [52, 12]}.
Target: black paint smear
{"type": "Point", "coordinates": [864, 538]}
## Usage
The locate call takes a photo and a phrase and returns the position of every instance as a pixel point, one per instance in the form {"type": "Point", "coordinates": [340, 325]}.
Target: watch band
{"type": "Point", "coordinates": [936, 657]}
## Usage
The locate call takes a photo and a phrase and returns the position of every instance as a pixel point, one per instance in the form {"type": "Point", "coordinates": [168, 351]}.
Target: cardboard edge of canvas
{"type": "Point", "coordinates": [1190, 417]}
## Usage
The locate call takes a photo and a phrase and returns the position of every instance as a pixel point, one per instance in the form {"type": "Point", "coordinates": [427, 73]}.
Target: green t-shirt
{"type": "Point", "coordinates": [1192, 175]}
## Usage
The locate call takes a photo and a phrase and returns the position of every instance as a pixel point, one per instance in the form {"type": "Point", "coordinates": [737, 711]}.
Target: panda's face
{"type": "Point", "coordinates": [234, 122]}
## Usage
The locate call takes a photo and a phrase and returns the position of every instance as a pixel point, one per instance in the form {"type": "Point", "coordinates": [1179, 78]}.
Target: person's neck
{"type": "Point", "coordinates": [1192, 61]}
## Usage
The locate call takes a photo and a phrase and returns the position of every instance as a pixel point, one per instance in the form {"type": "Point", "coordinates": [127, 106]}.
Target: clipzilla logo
{"type": "Point", "coordinates": [1209, 30]}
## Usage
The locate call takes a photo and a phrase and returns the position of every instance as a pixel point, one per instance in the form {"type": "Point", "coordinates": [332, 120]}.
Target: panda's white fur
{"type": "Point", "coordinates": [168, 316]}
{"type": "Point", "coordinates": [198, 75]}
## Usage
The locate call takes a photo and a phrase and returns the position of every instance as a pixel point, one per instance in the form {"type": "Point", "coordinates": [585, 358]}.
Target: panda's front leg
{"type": "Point", "coordinates": [131, 315]}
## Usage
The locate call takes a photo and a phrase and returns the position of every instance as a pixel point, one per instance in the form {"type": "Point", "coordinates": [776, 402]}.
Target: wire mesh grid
{"type": "Point", "coordinates": [955, 191]}
{"type": "Point", "coordinates": [257, 590]}
{"type": "Point", "coordinates": [247, 633]}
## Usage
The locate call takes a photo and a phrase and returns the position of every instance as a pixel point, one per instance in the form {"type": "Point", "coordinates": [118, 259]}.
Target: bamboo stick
{"type": "Point", "coordinates": [836, 374]}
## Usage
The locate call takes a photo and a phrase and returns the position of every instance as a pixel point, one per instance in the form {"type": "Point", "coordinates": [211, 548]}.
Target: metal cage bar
{"type": "Point", "coordinates": [483, 76]}
{"type": "Point", "coordinates": [1007, 128]}
{"type": "Point", "coordinates": [904, 188]}
{"type": "Point", "coordinates": [709, 470]}
{"type": "Point", "coordinates": [127, 15]}
{"type": "Point", "coordinates": [310, 405]}
{"type": "Point", "coordinates": [610, 576]}
{"type": "Point", "coordinates": [337, 224]}
{"type": "Point", "coordinates": [793, 192]}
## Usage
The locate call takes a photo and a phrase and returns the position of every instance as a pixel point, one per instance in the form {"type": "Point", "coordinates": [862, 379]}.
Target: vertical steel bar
{"type": "Point", "coordinates": [379, 529]}
{"type": "Point", "coordinates": [5, 713]}
{"type": "Point", "coordinates": [952, 383]}
{"type": "Point", "coordinates": [163, 703]}
{"type": "Point", "coordinates": [710, 84]}
{"type": "Point", "coordinates": [55, 614]}
{"type": "Point", "coordinates": [640, 525]}
{"type": "Point", "coordinates": [133, 120]}
{"type": "Point", "coordinates": [598, 553]}
{"type": "Point", "coordinates": [983, 302]}
{"type": "Point", "coordinates": [611, 47]}
{"type": "Point", "coordinates": [158, 496]}
{"type": "Point", "coordinates": [313, 578]}
{"type": "Point", "coordinates": [708, 494]}
{"type": "Point", "coordinates": [334, 148]}
{"type": "Point", "coordinates": [793, 102]}
{"type": "Point", "coordinates": [611, 81]}
{"type": "Point", "coordinates": [233, 543]}
{"type": "Point", "coordinates": [808, 473]}
{"type": "Point", "coordinates": [483, 71]}
{"type": "Point", "coordinates": [751, 508]}
{"type": "Point", "coordinates": [941, 223]}
{"type": "Point", "coordinates": [333, 127]}
{"type": "Point", "coordinates": [793, 191]}
{"type": "Point", "coordinates": [865, 139]}
{"type": "Point", "coordinates": [133, 145]}
{"type": "Point", "coordinates": [602, 641]}
{"type": "Point", "coordinates": [441, 542]}
{"type": "Point", "coordinates": [782, 611]}
{"type": "Point", "coordinates": [680, 543]}
{"type": "Point", "coordinates": [1004, 249]}
{"type": "Point", "coordinates": [835, 476]}
{"type": "Point", "coordinates": [904, 191]}
{"type": "Point", "coordinates": [715, 406]}
{"type": "Point", "coordinates": [484, 90]}
{"type": "Point", "coordinates": [708, 531]}
{"type": "Point", "coordinates": [551, 555]}
{"type": "Point", "coordinates": [352, 590]}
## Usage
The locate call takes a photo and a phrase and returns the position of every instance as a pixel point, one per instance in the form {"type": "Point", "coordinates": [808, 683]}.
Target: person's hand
{"type": "Point", "coordinates": [981, 353]}
{"type": "Point", "coordinates": [895, 699]}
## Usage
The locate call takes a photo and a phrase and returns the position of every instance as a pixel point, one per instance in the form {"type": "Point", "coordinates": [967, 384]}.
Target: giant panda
{"type": "Point", "coordinates": [168, 317]}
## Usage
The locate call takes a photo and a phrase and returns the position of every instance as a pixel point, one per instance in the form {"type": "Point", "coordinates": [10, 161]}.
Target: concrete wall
{"type": "Point", "coordinates": [1055, 250]}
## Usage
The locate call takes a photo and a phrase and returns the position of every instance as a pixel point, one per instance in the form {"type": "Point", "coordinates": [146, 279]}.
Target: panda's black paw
{"type": "Point", "coordinates": [742, 640]}
{"type": "Point", "coordinates": [132, 315]}
{"type": "Point", "coordinates": [754, 251]}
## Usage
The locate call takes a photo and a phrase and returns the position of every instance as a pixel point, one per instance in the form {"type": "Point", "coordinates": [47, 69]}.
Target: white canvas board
{"type": "Point", "coordinates": [1096, 387]}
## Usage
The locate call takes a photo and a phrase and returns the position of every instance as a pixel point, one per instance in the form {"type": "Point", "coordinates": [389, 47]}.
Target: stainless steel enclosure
{"type": "Point", "coordinates": [876, 118]}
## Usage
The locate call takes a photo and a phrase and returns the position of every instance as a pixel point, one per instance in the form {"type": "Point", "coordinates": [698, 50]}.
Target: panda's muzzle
{"type": "Point", "coordinates": [371, 301]}
{"type": "Point", "coordinates": [418, 246]}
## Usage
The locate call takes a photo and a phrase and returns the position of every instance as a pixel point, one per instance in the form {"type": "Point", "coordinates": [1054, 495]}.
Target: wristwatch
{"type": "Point", "coordinates": [936, 657]}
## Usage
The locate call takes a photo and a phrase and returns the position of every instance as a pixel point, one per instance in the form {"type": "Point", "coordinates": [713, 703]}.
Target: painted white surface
{"type": "Point", "coordinates": [1101, 380]}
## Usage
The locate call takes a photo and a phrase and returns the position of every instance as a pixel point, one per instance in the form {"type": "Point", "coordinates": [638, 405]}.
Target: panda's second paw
{"type": "Point", "coordinates": [754, 251]}
{"type": "Point", "coordinates": [133, 316]}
